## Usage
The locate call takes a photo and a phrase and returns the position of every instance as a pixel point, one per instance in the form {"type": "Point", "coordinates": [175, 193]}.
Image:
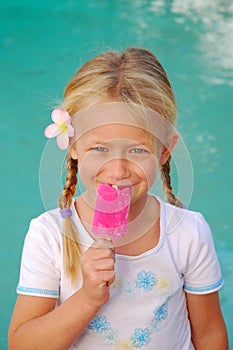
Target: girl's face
{"type": "Point", "coordinates": [117, 152]}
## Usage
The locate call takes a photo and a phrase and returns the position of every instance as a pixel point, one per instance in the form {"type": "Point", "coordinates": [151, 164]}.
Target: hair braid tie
{"type": "Point", "coordinates": [66, 213]}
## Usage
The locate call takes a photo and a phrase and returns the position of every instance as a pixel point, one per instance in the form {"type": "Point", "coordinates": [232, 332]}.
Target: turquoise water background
{"type": "Point", "coordinates": [42, 44]}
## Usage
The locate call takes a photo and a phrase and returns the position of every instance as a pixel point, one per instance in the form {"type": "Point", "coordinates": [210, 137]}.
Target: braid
{"type": "Point", "coordinates": [167, 187]}
{"type": "Point", "coordinates": [71, 247]}
{"type": "Point", "coordinates": [66, 196]}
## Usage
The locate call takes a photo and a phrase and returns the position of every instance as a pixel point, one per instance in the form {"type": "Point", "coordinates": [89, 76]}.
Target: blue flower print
{"type": "Point", "coordinates": [99, 324]}
{"type": "Point", "coordinates": [160, 313]}
{"type": "Point", "coordinates": [110, 337]}
{"type": "Point", "coordinates": [128, 289]}
{"type": "Point", "coordinates": [145, 280]}
{"type": "Point", "coordinates": [141, 337]}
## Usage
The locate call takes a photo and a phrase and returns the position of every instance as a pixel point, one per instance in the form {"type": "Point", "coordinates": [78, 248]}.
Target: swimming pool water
{"type": "Point", "coordinates": [43, 43]}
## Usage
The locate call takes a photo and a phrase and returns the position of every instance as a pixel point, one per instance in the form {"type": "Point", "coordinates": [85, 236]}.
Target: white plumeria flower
{"type": "Point", "coordinates": [61, 128]}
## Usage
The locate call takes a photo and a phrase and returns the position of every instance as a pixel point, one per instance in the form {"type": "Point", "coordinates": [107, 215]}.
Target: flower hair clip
{"type": "Point", "coordinates": [61, 128]}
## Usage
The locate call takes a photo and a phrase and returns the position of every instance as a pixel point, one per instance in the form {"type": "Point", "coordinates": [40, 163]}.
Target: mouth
{"type": "Point", "coordinates": [121, 187]}
{"type": "Point", "coordinates": [117, 186]}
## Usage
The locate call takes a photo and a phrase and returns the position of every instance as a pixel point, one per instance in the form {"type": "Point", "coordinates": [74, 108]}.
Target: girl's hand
{"type": "Point", "coordinates": [98, 271]}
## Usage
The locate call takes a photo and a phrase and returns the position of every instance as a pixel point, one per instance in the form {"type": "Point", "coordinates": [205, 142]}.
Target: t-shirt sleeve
{"type": "Point", "coordinates": [203, 273]}
{"type": "Point", "coordinates": [40, 270]}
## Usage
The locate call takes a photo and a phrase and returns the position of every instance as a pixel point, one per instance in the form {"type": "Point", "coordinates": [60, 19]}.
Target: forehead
{"type": "Point", "coordinates": [125, 116]}
{"type": "Point", "coordinates": [115, 131]}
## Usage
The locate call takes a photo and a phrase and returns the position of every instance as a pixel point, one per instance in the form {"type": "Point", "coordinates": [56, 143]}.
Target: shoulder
{"type": "Point", "coordinates": [41, 261]}
{"type": "Point", "coordinates": [51, 218]}
{"type": "Point", "coordinates": [45, 229]}
{"type": "Point", "coordinates": [183, 222]}
{"type": "Point", "coordinates": [187, 233]}
{"type": "Point", "coordinates": [192, 247]}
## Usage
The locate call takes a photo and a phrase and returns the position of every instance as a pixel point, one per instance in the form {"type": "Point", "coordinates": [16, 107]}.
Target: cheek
{"type": "Point", "coordinates": [85, 173]}
{"type": "Point", "coordinates": [151, 175]}
{"type": "Point", "coordinates": [149, 171]}
{"type": "Point", "coordinates": [88, 168]}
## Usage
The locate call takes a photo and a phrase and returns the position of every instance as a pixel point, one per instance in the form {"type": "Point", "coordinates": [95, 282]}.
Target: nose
{"type": "Point", "coordinates": [118, 169]}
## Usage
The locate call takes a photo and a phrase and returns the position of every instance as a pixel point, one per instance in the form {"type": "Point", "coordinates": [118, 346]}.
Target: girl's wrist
{"type": "Point", "coordinates": [89, 303]}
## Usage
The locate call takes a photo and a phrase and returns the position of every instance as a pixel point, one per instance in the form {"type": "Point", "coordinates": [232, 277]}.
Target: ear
{"type": "Point", "coordinates": [168, 147]}
{"type": "Point", "coordinates": [73, 151]}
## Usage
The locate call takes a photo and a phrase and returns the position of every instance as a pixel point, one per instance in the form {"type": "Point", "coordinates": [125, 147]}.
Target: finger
{"type": "Point", "coordinates": [107, 278]}
{"type": "Point", "coordinates": [103, 242]}
{"type": "Point", "coordinates": [104, 265]}
{"type": "Point", "coordinates": [100, 253]}
{"type": "Point", "coordinates": [98, 259]}
{"type": "Point", "coordinates": [110, 281]}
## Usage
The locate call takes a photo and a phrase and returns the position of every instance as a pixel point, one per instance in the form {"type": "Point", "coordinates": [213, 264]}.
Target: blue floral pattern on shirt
{"type": "Point", "coordinates": [145, 281]}
{"type": "Point", "coordinates": [110, 337]}
{"type": "Point", "coordinates": [141, 337]}
{"type": "Point", "coordinates": [99, 324]}
{"type": "Point", "coordinates": [160, 313]}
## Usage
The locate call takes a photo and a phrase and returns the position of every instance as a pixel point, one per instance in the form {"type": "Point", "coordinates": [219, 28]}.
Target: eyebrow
{"type": "Point", "coordinates": [132, 142]}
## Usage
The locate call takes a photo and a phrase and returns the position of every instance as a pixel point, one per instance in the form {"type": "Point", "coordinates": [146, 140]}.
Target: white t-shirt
{"type": "Point", "coordinates": [147, 306]}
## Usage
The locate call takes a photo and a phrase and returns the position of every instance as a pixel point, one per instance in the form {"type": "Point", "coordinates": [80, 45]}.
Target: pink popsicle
{"type": "Point", "coordinates": [111, 211]}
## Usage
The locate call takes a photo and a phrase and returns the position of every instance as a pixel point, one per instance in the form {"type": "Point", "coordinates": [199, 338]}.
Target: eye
{"type": "Point", "coordinates": [100, 149]}
{"type": "Point", "coordinates": [138, 150]}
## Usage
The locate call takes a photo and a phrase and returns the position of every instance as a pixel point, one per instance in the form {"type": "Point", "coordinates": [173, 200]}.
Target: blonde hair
{"type": "Point", "coordinates": [133, 76]}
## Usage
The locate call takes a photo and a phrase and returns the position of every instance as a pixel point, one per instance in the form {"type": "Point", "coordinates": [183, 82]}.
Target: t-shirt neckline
{"type": "Point", "coordinates": [89, 240]}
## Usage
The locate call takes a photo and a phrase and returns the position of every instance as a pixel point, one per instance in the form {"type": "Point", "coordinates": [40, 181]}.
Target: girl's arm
{"type": "Point", "coordinates": [207, 323]}
{"type": "Point", "coordinates": [37, 324]}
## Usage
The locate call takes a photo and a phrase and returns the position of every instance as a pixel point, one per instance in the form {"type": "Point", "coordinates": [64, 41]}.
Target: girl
{"type": "Point", "coordinates": [155, 288]}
